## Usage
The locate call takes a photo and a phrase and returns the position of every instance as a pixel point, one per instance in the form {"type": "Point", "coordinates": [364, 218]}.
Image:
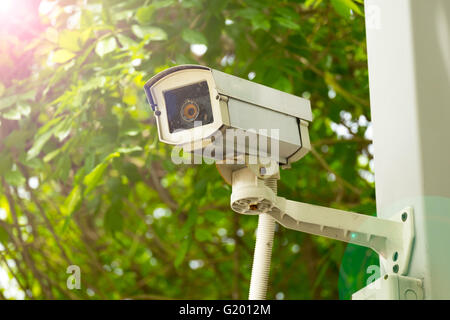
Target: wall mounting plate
{"type": "Point", "coordinates": [391, 287]}
{"type": "Point", "coordinates": [398, 250]}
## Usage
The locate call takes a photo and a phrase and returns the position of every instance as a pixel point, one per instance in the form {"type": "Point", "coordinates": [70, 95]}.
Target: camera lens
{"type": "Point", "coordinates": [189, 111]}
{"type": "Point", "coordinates": [188, 106]}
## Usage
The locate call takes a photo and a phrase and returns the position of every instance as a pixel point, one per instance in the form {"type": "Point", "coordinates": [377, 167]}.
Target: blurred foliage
{"type": "Point", "coordinates": [84, 180]}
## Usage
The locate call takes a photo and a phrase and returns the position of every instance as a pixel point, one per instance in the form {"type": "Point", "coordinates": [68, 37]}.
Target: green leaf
{"type": "Point", "coordinates": [87, 18]}
{"type": "Point", "coordinates": [130, 96]}
{"type": "Point", "coordinates": [353, 6]}
{"type": "Point", "coordinates": [129, 150]}
{"type": "Point", "coordinates": [4, 236]}
{"type": "Point", "coordinates": [257, 18]}
{"type": "Point", "coordinates": [283, 84]}
{"type": "Point", "coordinates": [312, 3]}
{"type": "Point", "coordinates": [50, 156]}
{"type": "Point", "coordinates": [93, 178]}
{"type": "Point", "coordinates": [12, 114]}
{"type": "Point", "coordinates": [149, 33]}
{"type": "Point", "coordinates": [260, 22]}
{"type": "Point", "coordinates": [287, 23]}
{"type": "Point", "coordinates": [309, 3]}
{"type": "Point", "coordinates": [155, 34]}
{"type": "Point", "coordinates": [112, 156]}
{"type": "Point", "coordinates": [63, 167]}
{"type": "Point", "coordinates": [163, 3]}
{"type": "Point", "coordinates": [192, 4]}
{"type": "Point", "coordinates": [200, 187]}
{"type": "Point", "coordinates": [144, 15]}
{"type": "Point", "coordinates": [35, 163]}
{"type": "Point", "coordinates": [5, 162]}
{"type": "Point", "coordinates": [114, 219]}
{"type": "Point", "coordinates": [89, 162]}
{"type": "Point", "coordinates": [214, 215]}
{"type": "Point", "coordinates": [68, 39]}
{"type": "Point", "coordinates": [63, 129]}
{"type": "Point", "coordinates": [247, 13]}
{"type": "Point", "coordinates": [60, 128]}
{"type": "Point", "coordinates": [7, 101]}
{"type": "Point", "coordinates": [39, 144]}
{"type": "Point", "coordinates": [288, 18]}
{"type": "Point", "coordinates": [188, 226]}
{"type": "Point", "coordinates": [62, 56]}
{"type": "Point", "coordinates": [73, 199]}
{"type": "Point", "coordinates": [15, 178]}
{"type": "Point", "coordinates": [71, 204]}
{"type": "Point", "coordinates": [24, 110]}
{"type": "Point", "coordinates": [203, 235]}
{"type": "Point", "coordinates": [17, 112]}
{"type": "Point", "coordinates": [193, 37]}
{"type": "Point", "coordinates": [106, 46]}
{"type": "Point", "coordinates": [126, 42]}
{"type": "Point", "coordinates": [181, 254]}
{"type": "Point", "coordinates": [343, 7]}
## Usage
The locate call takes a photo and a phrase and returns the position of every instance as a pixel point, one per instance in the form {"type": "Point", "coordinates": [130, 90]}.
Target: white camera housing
{"type": "Point", "coordinates": [182, 93]}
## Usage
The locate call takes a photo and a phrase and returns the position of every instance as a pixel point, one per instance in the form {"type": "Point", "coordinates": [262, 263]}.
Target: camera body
{"type": "Point", "coordinates": [200, 108]}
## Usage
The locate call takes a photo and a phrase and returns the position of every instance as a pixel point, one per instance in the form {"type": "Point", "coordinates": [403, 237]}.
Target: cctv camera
{"type": "Point", "coordinates": [199, 108]}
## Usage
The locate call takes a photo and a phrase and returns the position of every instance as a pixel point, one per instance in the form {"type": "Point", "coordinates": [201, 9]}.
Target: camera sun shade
{"type": "Point", "coordinates": [194, 103]}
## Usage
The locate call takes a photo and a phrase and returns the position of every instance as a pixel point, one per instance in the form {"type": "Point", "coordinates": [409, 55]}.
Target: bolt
{"type": "Point", "coordinates": [395, 268]}
{"type": "Point", "coordinates": [404, 216]}
{"type": "Point", "coordinates": [395, 256]}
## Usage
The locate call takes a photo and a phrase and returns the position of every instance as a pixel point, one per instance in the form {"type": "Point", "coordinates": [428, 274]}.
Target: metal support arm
{"type": "Point", "coordinates": [392, 238]}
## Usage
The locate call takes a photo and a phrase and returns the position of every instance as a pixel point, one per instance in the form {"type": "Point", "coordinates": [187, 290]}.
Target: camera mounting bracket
{"type": "Point", "coordinates": [391, 238]}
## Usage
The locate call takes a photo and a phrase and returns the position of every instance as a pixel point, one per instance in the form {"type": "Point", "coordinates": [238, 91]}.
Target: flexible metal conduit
{"type": "Point", "coordinates": [263, 251]}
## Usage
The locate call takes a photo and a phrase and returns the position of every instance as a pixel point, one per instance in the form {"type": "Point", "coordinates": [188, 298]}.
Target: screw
{"type": "Point", "coordinates": [157, 113]}
{"type": "Point", "coordinates": [404, 216]}
{"type": "Point", "coordinates": [395, 256]}
{"type": "Point", "coordinates": [395, 268]}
